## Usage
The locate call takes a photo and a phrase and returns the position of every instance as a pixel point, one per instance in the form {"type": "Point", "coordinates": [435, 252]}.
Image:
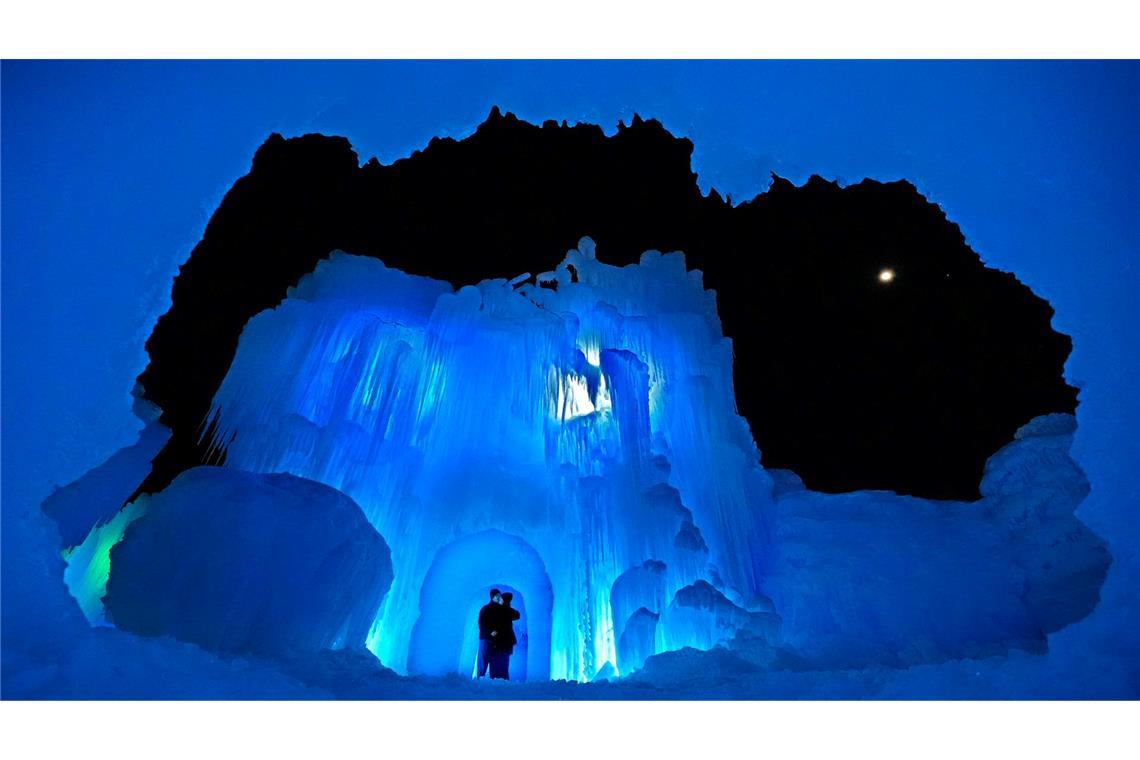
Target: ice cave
{"type": "Point", "coordinates": [388, 448]}
{"type": "Point", "coordinates": [807, 445]}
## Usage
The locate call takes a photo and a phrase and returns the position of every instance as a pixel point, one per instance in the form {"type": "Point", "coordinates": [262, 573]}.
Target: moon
{"type": "Point", "coordinates": [887, 275]}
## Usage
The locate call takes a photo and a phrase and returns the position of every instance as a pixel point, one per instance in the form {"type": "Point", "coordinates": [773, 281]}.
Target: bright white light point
{"type": "Point", "coordinates": [886, 275]}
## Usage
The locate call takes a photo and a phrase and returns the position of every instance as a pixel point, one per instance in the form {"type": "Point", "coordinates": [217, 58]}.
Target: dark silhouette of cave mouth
{"type": "Point", "coordinates": [851, 378]}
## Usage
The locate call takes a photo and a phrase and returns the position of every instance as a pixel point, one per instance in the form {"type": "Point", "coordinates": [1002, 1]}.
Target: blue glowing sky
{"type": "Point", "coordinates": [111, 170]}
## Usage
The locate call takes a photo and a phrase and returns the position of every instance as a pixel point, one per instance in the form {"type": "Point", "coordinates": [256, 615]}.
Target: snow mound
{"type": "Point", "coordinates": [242, 562]}
{"type": "Point", "coordinates": [872, 577]}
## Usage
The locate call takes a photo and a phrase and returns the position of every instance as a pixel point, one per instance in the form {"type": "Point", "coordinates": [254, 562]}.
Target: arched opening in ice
{"type": "Point", "coordinates": [445, 637]}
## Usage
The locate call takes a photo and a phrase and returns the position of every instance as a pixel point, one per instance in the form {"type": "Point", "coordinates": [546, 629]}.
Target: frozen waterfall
{"type": "Point", "coordinates": [551, 434]}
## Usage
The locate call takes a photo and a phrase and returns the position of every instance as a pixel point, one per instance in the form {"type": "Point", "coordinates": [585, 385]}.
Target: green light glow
{"type": "Point", "coordinates": [89, 564]}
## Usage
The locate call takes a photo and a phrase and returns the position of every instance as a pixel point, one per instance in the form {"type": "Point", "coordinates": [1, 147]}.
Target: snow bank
{"type": "Point", "coordinates": [871, 577]}
{"type": "Point", "coordinates": [245, 562]}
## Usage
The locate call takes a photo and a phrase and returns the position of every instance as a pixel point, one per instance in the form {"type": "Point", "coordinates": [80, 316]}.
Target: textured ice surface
{"type": "Point", "coordinates": [573, 435]}
{"type": "Point", "coordinates": [587, 413]}
{"type": "Point", "coordinates": [874, 577]}
{"type": "Point", "coordinates": [95, 498]}
{"type": "Point", "coordinates": [244, 562]}
{"type": "Point", "coordinates": [90, 516]}
{"type": "Point", "coordinates": [89, 564]}
{"type": "Point", "coordinates": [444, 638]}
{"type": "Point", "coordinates": [701, 617]}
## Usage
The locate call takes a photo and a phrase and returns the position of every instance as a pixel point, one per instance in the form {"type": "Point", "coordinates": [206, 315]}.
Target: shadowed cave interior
{"type": "Point", "coordinates": [848, 381]}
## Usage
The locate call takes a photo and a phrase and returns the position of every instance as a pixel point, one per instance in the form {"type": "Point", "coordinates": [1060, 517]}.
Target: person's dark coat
{"type": "Point", "coordinates": [490, 619]}
{"type": "Point", "coordinates": [506, 639]}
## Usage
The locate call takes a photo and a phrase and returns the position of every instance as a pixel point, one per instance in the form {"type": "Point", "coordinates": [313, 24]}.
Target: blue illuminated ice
{"type": "Point", "coordinates": [551, 433]}
{"type": "Point", "coordinates": [571, 437]}
{"type": "Point", "coordinates": [94, 499]}
{"type": "Point", "coordinates": [242, 562]}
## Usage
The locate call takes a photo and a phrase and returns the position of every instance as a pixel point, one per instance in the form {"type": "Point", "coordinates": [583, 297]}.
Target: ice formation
{"type": "Point", "coordinates": [243, 562]}
{"type": "Point", "coordinates": [552, 434]}
{"type": "Point", "coordinates": [570, 437]}
{"type": "Point", "coordinates": [872, 577]}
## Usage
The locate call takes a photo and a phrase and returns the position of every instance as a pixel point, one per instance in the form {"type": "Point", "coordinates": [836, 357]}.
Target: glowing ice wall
{"type": "Point", "coordinates": [587, 413]}
{"type": "Point", "coordinates": [89, 563]}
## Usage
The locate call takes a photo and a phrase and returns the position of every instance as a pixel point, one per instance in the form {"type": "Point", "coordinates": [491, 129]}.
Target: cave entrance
{"type": "Point", "coordinates": [445, 638]}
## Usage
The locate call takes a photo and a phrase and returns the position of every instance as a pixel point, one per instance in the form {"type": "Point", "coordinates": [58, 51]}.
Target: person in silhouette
{"type": "Point", "coordinates": [503, 640]}
{"type": "Point", "coordinates": [489, 624]}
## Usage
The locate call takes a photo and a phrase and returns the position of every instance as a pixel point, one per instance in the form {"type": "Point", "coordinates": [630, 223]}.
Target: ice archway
{"type": "Point", "coordinates": [454, 589]}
